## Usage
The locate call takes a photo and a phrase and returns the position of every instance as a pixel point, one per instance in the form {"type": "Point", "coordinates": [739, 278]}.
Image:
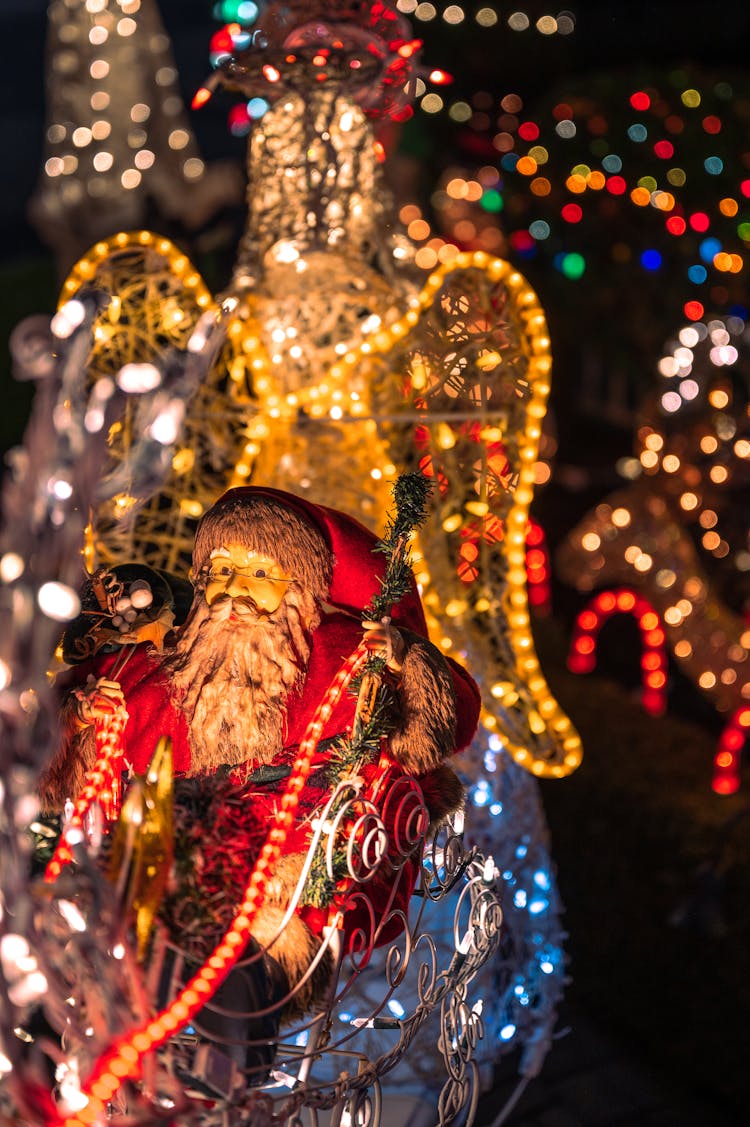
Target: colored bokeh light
{"type": "Point", "coordinates": [573, 265]}
{"type": "Point", "coordinates": [616, 185]}
{"type": "Point", "coordinates": [523, 243]}
{"type": "Point", "coordinates": [491, 200]}
{"type": "Point", "coordinates": [539, 229]}
{"type": "Point", "coordinates": [708, 249]}
{"type": "Point", "coordinates": [572, 213]}
{"type": "Point", "coordinates": [240, 11]}
{"type": "Point", "coordinates": [664, 150]}
{"type": "Point", "coordinates": [528, 131]}
{"type": "Point", "coordinates": [651, 260]}
{"type": "Point", "coordinates": [636, 171]}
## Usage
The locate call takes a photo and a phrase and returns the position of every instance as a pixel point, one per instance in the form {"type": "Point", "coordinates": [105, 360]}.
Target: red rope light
{"type": "Point", "coordinates": [101, 784]}
{"type": "Point", "coordinates": [122, 1061]}
{"type": "Point", "coordinates": [582, 653]}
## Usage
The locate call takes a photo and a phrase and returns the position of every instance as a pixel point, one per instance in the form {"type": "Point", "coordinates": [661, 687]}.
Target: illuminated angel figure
{"type": "Point", "coordinates": [343, 365]}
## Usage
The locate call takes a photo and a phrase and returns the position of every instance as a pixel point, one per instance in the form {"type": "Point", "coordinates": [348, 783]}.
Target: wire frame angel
{"type": "Point", "coordinates": [344, 366]}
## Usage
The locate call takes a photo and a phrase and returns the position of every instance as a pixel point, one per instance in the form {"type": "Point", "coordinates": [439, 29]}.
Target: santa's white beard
{"type": "Point", "coordinates": [232, 678]}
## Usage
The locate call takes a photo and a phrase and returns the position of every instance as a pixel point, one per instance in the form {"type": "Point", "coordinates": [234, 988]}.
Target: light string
{"type": "Point", "coordinates": [84, 271]}
{"type": "Point", "coordinates": [377, 342]}
{"type": "Point", "coordinates": [101, 784]}
{"type": "Point", "coordinates": [538, 569]}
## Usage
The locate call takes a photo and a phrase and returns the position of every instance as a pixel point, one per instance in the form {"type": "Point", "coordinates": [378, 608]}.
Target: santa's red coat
{"type": "Point", "coordinates": [153, 712]}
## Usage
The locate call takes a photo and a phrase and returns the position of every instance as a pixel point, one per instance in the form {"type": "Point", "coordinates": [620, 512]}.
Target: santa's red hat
{"type": "Point", "coordinates": [289, 529]}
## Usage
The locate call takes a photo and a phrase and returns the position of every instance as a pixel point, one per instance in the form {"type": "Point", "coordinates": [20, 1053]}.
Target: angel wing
{"type": "Point", "coordinates": [156, 300]}
{"type": "Point", "coordinates": [476, 369]}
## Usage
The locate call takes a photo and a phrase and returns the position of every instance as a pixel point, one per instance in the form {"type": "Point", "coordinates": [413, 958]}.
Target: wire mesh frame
{"type": "Point", "coordinates": [317, 1067]}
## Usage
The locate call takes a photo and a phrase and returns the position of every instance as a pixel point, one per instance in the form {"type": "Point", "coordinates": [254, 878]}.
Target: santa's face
{"type": "Point", "coordinates": [243, 649]}
{"type": "Point", "coordinates": [256, 583]}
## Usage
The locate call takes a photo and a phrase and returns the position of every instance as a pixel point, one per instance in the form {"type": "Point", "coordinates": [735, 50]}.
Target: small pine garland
{"type": "Point", "coordinates": [411, 493]}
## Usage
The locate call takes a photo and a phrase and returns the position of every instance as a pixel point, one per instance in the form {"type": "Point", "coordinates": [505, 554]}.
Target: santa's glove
{"type": "Point", "coordinates": [97, 698]}
{"type": "Point", "coordinates": [385, 641]}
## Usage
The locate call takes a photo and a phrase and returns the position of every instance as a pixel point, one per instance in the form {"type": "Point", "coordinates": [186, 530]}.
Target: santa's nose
{"type": "Point", "coordinates": [264, 592]}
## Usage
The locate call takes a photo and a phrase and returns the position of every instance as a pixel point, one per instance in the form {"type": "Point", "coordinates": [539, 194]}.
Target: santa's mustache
{"type": "Point", "coordinates": [243, 606]}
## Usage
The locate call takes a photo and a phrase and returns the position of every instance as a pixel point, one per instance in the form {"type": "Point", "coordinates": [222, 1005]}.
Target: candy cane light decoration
{"type": "Point", "coordinates": [582, 654]}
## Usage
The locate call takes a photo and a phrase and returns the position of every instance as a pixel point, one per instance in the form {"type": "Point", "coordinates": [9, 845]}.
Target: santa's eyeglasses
{"type": "Point", "coordinates": [226, 571]}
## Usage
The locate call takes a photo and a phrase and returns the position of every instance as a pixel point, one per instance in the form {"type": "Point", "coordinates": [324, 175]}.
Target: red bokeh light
{"type": "Point", "coordinates": [572, 213]}
{"type": "Point", "coordinates": [582, 653]}
{"type": "Point", "coordinates": [522, 240]}
{"type": "Point", "coordinates": [664, 149]}
{"type": "Point", "coordinates": [528, 130]}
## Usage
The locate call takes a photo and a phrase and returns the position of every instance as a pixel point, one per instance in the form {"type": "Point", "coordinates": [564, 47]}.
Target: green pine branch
{"type": "Point", "coordinates": [411, 493]}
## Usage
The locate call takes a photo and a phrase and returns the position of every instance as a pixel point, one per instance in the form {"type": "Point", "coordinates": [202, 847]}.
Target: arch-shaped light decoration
{"type": "Point", "coordinates": [582, 653]}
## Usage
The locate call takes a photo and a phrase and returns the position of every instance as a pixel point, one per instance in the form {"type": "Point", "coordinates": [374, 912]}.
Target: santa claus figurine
{"type": "Point", "coordinates": [280, 585]}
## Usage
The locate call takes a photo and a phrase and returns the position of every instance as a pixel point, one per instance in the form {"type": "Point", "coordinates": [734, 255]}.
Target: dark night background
{"type": "Point", "coordinates": [653, 867]}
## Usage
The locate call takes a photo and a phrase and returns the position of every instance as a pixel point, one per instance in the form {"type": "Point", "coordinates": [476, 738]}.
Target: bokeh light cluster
{"type": "Point", "coordinates": [488, 16]}
{"type": "Point", "coordinates": [646, 177]}
{"type": "Point", "coordinates": [97, 36]}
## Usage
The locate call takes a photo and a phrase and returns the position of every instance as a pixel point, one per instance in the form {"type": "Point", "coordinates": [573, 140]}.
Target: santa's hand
{"type": "Point", "coordinates": [98, 698]}
{"type": "Point", "coordinates": [384, 640]}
